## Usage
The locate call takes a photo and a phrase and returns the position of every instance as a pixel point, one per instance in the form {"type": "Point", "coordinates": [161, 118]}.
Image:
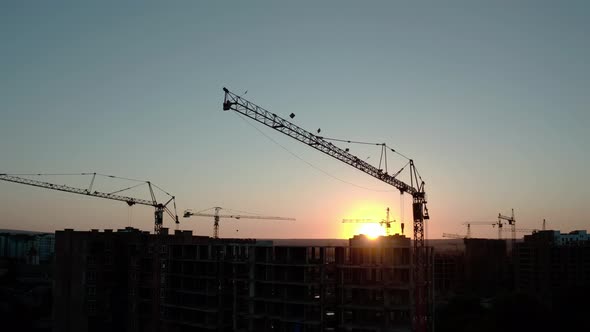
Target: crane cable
{"type": "Point", "coordinates": [99, 174]}
{"type": "Point", "coordinates": [401, 202]}
{"type": "Point", "coordinates": [364, 143]}
{"type": "Point", "coordinates": [308, 163]}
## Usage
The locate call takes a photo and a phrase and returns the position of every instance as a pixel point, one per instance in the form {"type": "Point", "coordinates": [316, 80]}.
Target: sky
{"type": "Point", "coordinates": [490, 99]}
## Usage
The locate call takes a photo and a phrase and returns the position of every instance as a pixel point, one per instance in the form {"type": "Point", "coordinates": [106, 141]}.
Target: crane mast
{"type": "Point", "coordinates": [512, 222]}
{"type": "Point", "coordinates": [415, 188]}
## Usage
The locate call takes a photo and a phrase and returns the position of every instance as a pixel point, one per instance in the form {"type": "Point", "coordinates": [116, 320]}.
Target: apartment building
{"type": "Point", "coordinates": [131, 280]}
{"type": "Point", "coordinates": [548, 263]}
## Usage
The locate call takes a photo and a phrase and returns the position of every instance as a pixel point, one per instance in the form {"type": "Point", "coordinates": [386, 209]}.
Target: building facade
{"type": "Point", "coordinates": [487, 266]}
{"type": "Point", "coordinates": [548, 263]}
{"type": "Point", "coordinates": [131, 280]}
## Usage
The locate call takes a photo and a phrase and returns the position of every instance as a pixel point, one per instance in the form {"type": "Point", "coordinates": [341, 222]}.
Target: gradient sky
{"type": "Point", "coordinates": [489, 98]}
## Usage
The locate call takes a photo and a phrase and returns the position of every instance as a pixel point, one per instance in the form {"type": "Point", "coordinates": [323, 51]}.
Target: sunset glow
{"type": "Point", "coordinates": [372, 211]}
{"type": "Point", "coordinates": [371, 230]}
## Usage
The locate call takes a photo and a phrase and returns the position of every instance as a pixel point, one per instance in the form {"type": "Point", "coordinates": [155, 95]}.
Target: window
{"type": "Point", "coordinates": [91, 306]}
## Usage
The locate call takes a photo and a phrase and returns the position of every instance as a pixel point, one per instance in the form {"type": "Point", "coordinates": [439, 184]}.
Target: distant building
{"type": "Point", "coordinates": [26, 281]}
{"type": "Point", "coordinates": [46, 246]}
{"type": "Point", "coordinates": [548, 263]}
{"type": "Point", "coordinates": [574, 238]}
{"type": "Point", "coordinates": [134, 281]}
{"type": "Point", "coordinates": [31, 249]}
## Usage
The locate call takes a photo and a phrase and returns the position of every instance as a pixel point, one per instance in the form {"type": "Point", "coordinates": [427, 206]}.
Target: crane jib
{"type": "Point", "coordinates": [160, 208]}
{"type": "Point", "coordinates": [259, 114]}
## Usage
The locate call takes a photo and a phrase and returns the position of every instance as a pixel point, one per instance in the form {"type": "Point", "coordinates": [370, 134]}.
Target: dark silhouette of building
{"type": "Point", "coordinates": [205, 283]}
{"type": "Point", "coordinates": [28, 248]}
{"type": "Point", "coordinates": [487, 266]}
{"type": "Point", "coordinates": [374, 284]}
{"type": "Point", "coordinates": [131, 280]}
{"type": "Point", "coordinates": [449, 273]}
{"type": "Point", "coordinates": [550, 264]}
{"type": "Point", "coordinates": [26, 281]}
{"type": "Point", "coordinates": [97, 279]}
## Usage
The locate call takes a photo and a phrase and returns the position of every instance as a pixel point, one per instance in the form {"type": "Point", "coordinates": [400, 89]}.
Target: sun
{"type": "Point", "coordinates": [365, 210]}
{"type": "Point", "coordinates": [373, 231]}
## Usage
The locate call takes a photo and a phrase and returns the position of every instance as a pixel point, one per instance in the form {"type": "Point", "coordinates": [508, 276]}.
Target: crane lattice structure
{"type": "Point", "coordinates": [415, 188]}
{"type": "Point", "coordinates": [511, 221]}
{"type": "Point", "coordinates": [216, 217]}
{"type": "Point", "coordinates": [159, 207]}
{"type": "Point", "coordinates": [386, 223]}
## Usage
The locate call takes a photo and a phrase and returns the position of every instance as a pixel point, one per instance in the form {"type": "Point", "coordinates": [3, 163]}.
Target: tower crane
{"type": "Point", "coordinates": [544, 224]}
{"type": "Point", "coordinates": [415, 188]}
{"type": "Point", "coordinates": [216, 217]}
{"type": "Point", "coordinates": [386, 223]}
{"type": "Point", "coordinates": [512, 222]}
{"type": "Point", "coordinates": [160, 207]}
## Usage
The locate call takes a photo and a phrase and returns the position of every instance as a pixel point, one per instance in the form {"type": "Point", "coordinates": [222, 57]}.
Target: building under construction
{"type": "Point", "coordinates": [551, 265]}
{"type": "Point", "coordinates": [131, 280]}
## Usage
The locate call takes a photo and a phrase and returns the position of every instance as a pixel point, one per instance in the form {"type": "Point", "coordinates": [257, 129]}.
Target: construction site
{"type": "Point", "coordinates": [131, 280]}
{"type": "Point", "coordinates": [165, 280]}
{"type": "Point", "coordinates": [109, 280]}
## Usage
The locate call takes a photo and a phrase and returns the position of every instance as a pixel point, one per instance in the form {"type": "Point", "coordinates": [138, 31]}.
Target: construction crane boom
{"type": "Point", "coordinates": [216, 217]}
{"type": "Point", "coordinates": [160, 207]}
{"type": "Point", "coordinates": [259, 114]}
{"type": "Point", "coordinates": [231, 216]}
{"type": "Point", "coordinates": [420, 273]}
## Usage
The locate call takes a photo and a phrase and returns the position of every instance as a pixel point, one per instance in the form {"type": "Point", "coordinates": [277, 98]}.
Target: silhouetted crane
{"type": "Point", "coordinates": [216, 217]}
{"type": "Point", "coordinates": [160, 207]}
